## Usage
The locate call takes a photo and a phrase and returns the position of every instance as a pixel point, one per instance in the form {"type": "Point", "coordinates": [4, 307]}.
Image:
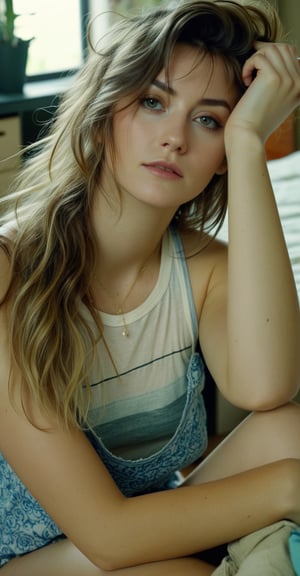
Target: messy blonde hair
{"type": "Point", "coordinates": [50, 241]}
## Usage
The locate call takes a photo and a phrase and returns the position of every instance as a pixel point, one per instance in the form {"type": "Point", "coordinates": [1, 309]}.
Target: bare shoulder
{"type": "Point", "coordinates": [207, 263]}
{"type": "Point", "coordinates": [202, 246]}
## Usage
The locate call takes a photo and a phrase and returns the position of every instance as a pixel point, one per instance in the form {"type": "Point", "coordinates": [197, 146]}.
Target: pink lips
{"type": "Point", "coordinates": [164, 169]}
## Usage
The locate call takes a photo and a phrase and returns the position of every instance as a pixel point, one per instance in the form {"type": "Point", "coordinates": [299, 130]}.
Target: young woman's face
{"type": "Point", "coordinates": [170, 143]}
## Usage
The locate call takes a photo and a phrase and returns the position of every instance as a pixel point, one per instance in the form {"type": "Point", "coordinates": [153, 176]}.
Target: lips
{"type": "Point", "coordinates": [166, 167]}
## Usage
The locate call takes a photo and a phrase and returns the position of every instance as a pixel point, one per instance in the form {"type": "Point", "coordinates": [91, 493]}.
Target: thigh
{"type": "Point", "coordinates": [261, 438]}
{"type": "Point", "coordinates": [64, 559]}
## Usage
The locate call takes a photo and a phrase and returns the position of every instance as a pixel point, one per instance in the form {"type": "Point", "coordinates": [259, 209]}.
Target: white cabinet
{"type": "Point", "coordinates": [10, 145]}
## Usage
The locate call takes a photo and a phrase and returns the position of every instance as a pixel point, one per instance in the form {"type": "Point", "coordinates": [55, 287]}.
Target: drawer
{"type": "Point", "coordinates": [10, 142]}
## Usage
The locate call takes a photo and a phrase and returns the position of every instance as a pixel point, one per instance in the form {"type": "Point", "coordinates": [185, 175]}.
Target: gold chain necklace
{"type": "Point", "coordinates": [120, 307]}
{"type": "Point", "coordinates": [125, 331]}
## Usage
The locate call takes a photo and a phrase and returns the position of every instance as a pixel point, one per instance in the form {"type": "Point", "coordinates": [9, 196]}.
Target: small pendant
{"type": "Point", "coordinates": [125, 332]}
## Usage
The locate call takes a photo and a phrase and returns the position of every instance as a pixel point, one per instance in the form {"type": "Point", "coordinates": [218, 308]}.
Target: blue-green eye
{"type": "Point", "coordinates": [208, 122]}
{"type": "Point", "coordinates": [151, 103]}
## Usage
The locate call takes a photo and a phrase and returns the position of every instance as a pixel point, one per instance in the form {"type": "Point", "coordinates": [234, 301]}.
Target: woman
{"type": "Point", "coordinates": [109, 276]}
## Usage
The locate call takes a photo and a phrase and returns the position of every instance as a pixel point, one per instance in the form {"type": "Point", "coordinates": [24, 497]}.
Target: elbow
{"type": "Point", "coordinates": [263, 392]}
{"type": "Point", "coordinates": [125, 540]}
{"type": "Point", "coordinates": [275, 393]}
{"type": "Point", "coordinates": [103, 560]}
{"type": "Point", "coordinates": [111, 556]}
{"type": "Point", "coordinates": [109, 561]}
{"type": "Point", "coordinates": [107, 566]}
{"type": "Point", "coordinates": [116, 550]}
{"type": "Point", "coordinates": [269, 397]}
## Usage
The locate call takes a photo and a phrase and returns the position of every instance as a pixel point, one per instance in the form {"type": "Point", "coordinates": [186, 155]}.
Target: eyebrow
{"type": "Point", "coordinates": [206, 101]}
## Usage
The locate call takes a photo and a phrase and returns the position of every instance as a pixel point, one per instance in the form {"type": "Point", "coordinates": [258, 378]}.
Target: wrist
{"type": "Point", "coordinates": [243, 142]}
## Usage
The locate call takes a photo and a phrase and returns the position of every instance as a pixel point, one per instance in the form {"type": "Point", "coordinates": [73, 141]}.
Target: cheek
{"type": "Point", "coordinates": [210, 155]}
{"type": "Point", "coordinates": [218, 149]}
{"type": "Point", "coordinates": [127, 140]}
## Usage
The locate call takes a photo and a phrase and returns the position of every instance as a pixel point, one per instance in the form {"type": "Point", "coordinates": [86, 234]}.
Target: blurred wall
{"type": "Point", "coordinates": [289, 11]}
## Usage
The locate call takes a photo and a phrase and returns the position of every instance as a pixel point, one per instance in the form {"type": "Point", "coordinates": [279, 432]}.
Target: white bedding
{"type": "Point", "coordinates": [285, 176]}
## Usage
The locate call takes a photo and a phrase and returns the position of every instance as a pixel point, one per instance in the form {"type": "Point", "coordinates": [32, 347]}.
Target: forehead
{"type": "Point", "coordinates": [192, 66]}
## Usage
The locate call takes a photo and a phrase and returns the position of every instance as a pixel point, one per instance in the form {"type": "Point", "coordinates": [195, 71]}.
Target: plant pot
{"type": "Point", "coordinates": [13, 60]}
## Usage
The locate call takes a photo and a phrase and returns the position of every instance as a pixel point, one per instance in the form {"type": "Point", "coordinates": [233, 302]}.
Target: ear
{"type": "Point", "coordinates": [222, 168]}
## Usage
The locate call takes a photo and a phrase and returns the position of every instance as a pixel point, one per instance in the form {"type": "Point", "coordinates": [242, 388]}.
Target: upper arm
{"type": "Point", "coordinates": [208, 274]}
{"type": "Point", "coordinates": [213, 316]}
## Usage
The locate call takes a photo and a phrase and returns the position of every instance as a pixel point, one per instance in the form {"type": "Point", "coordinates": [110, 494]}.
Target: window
{"type": "Point", "coordinates": [134, 4]}
{"type": "Point", "coordinates": [104, 13]}
{"type": "Point", "coordinates": [56, 27]}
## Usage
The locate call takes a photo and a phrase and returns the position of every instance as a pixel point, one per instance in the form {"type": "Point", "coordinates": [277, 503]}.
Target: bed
{"type": "Point", "coordinates": [285, 176]}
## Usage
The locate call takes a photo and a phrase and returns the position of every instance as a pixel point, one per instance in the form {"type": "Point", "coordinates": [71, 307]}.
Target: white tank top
{"type": "Point", "coordinates": [137, 410]}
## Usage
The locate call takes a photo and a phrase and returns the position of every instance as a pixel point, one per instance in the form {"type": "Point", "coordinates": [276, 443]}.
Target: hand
{"type": "Point", "coordinates": [272, 78]}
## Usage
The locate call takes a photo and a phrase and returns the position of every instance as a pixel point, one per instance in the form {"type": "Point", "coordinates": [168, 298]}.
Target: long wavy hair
{"type": "Point", "coordinates": [46, 219]}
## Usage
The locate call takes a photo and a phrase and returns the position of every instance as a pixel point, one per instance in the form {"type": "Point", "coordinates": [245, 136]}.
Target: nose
{"type": "Point", "coordinates": [174, 134]}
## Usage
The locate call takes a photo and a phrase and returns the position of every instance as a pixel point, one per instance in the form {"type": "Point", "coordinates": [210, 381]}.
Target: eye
{"type": "Point", "coordinates": [208, 122]}
{"type": "Point", "coordinates": [151, 103]}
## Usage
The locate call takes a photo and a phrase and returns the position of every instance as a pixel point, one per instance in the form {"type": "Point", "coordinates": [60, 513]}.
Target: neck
{"type": "Point", "coordinates": [128, 253]}
{"type": "Point", "coordinates": [127, 237]}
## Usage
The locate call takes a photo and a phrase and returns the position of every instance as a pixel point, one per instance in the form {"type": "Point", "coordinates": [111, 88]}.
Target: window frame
{"type": "Point", "coordinates": [84, 18]}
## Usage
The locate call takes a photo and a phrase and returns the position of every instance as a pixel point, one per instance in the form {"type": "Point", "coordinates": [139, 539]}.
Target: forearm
{"type": "Point", "coordinates": [177, 523]}
{"type": "Point", "coordinates": [263, 310]}
{"type": "Point", "coordinates": [195, 518]}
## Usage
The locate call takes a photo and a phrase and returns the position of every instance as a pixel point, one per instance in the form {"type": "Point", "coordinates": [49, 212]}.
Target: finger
{"type": "Point", "coordinates": [253, 66]}
{"type": "Point", "coordinates": [280, 53]}
{"type": "Point", "coordinates": [281, 58]}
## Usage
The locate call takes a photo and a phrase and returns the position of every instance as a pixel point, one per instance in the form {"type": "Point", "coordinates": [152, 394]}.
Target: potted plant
{"type": "Point", "coordinates": [13, 52]}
